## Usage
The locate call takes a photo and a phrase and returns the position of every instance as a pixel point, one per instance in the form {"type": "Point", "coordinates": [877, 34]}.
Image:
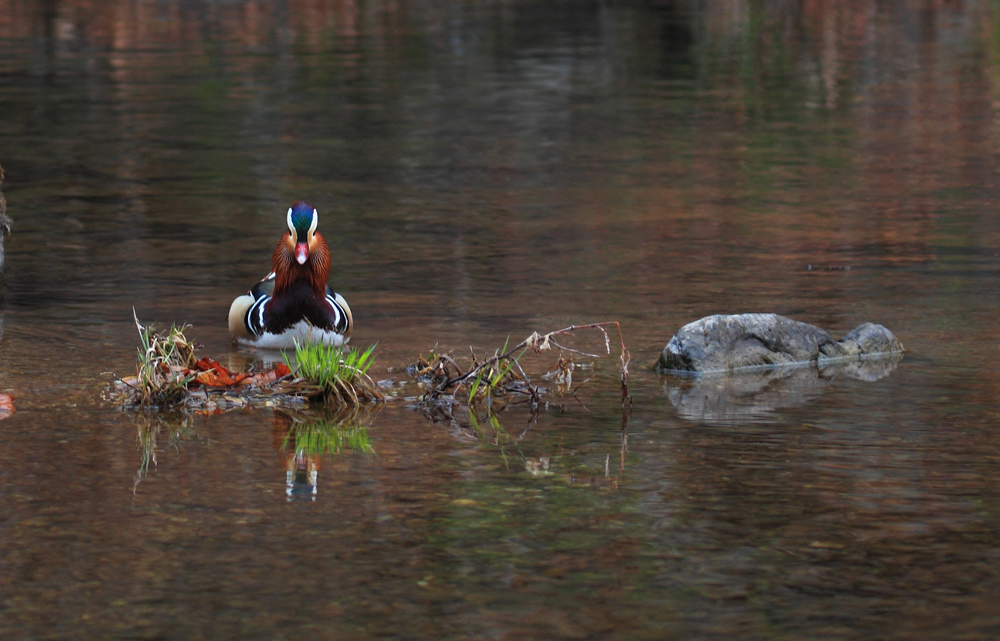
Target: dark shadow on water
{"type": "Point", "coordinates": [756, 396]}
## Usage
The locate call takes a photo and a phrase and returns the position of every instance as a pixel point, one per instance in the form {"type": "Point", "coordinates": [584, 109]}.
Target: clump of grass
{"type": "Point", "coordinates": [170, 376]}
{"type": "Point", "coordinates": [339, 375]}
{"type": "Point", "coordinates": [162, 374]}
{"type": "Point", "coordinates": [494, 377]}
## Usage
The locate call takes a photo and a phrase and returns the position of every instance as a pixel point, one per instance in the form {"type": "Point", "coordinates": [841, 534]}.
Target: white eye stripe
{"type": "Point", "coordinates": [315, 222]}
{"type": "Point", "coordinates": [291, 229]}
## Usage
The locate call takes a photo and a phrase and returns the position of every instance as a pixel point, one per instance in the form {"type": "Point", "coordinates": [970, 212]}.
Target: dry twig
{"type": "Point", "coordinates": [498, 370]}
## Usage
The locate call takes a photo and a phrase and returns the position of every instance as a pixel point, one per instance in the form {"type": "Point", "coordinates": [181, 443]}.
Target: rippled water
{"type": "Point", "coordinates": [483, 170]}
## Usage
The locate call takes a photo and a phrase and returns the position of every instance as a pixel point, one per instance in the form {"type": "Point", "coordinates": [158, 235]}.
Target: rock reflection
{"type": "Point", "coordinates": [755, 396]}
{"type": "Point", "coordinates": [302, 439]}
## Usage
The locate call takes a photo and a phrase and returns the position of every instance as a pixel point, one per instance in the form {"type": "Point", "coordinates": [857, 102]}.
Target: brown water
{"type": "Point", "coordinates": [483, 170]}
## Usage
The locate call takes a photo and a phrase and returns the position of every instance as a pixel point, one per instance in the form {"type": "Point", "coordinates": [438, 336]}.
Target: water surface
{"type": "Point", "coordinates": [484, 170]}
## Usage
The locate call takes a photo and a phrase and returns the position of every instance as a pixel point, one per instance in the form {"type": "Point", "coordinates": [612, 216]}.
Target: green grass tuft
{"type": "Point", "coordinates": [340, 375]}
{"type": "Point", "coordinates": [493, 376]}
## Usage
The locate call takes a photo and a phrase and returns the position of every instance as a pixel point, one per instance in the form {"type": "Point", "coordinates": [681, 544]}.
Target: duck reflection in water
{"type": "Point", "coordinates": [303, 439]}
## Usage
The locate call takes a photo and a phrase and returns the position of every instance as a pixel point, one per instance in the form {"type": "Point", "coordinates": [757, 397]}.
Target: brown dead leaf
{"type": "Point", "coordinates": [214, 374]}
{"type": "Point", "coordinates": [265, 378]}
{"type": "Point", "coordinates": [208, 364]}
{"type": "Point", "coordinates": [213, 378]}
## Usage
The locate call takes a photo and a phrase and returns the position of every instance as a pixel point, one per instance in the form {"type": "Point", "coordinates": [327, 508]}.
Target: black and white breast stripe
{"type": "Point", "coordinates": [254, 318]}
{"type": "Point", "coordinates": [340, 317]}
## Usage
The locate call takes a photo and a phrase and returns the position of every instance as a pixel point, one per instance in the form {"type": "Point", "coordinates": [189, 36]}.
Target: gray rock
{"type": "Point", "coordinates": [723, 343]}
{"type": "Point", "coordinates": [867, 339]}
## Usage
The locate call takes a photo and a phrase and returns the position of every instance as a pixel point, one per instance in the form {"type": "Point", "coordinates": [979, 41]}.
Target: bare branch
{"type": "Point", "coordinates": [537, 343]}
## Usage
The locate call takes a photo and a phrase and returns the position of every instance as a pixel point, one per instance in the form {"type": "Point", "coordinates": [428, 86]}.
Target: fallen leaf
{"type": "Point", "coordinates": [214, 374]}
{"type": "Point", "coordinates": [208, 364]}
{"type": "Point", "coordinates": [215, 379]}
{"type": "Point", "coordinates": [269, 376]}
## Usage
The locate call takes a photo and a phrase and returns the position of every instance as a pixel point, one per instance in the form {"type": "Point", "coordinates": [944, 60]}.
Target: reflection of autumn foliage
{"type": "Point", "coordinates": [130, 25]}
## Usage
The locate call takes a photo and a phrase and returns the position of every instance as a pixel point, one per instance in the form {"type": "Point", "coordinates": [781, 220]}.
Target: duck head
{"type": "Point", "coordinates": [301, 254]}
{"type": "Point", "coordinates": [302, 222]}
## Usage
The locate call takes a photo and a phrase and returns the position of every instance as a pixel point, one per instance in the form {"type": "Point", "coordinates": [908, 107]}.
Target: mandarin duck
{"type": "Point", "coordinates": [293, 302]}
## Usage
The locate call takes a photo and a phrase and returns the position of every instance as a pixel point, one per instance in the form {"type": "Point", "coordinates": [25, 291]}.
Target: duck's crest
{"type": "Point", "coordinates": [302, 221]}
